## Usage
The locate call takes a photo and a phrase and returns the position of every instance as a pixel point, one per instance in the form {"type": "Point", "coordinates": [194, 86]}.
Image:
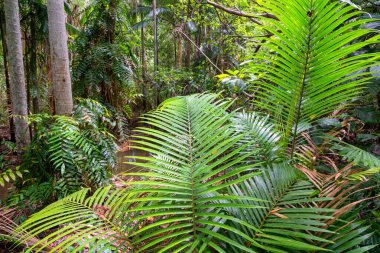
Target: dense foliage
{"type": "Point", "coordinates": [245, 126]}
{"type": "Point", "coordinates": [67, 153]}
{"type": "Point", "coordinates": [200, 192]}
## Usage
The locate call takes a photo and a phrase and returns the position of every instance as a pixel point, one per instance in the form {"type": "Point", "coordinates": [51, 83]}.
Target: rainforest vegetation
{"type": "Point", "coordinates": [190, 126]}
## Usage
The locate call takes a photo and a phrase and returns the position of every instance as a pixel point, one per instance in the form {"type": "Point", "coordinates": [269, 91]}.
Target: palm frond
{"type": "Point", "coordinates": [192, 165]}
{"type": "Point", "coordinates": [288, 217]}
{"type": "Point", "coordinates": [340, 186]}
{"type": "Point", "coordinates": [355, 154]}
{"type": "Point", "coordinates": [8, 228]}
{"type": "Point", "coordinates": [311, 68]}
{"type": "Point", "coordinates": [259, 131]}
{"type": "Point", "coordinates": [81, 220]}
{"type": "Point", "coordinates": [349, 236]}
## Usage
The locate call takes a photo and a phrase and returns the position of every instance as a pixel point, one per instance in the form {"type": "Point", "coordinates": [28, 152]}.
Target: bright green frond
{"type": "Point", "coordinates": [357, 155]}
{"type": "Point", "coordinates": [77, 221]}
{"type": "Point", "coordinates": [259, 131]}
{"type": "Point", "coordinates": [311, 66]}
{"type": "Point", "coordinates": [288, 218]}
{"type": "Point", "coordinates": [195, 158]}
{"type": "Point", "coordinates": [348, 237]}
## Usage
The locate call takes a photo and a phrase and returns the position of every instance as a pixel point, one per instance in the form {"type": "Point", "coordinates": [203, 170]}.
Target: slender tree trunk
{"type": "Point", "coordinates": [144, 85]}
{"type": "Point", "coordinates": [187, 54]}
{"type": "Point", "coordinates": [155, 37]}
{"type": "Point", "coordinates": [63, 101]}
{"type": "Point", "coordinates": [112, 24]}
{"type": "Point", "coordinates": [5, 59]}
{"type": "Point", "coordinates": [111, 90]}
{"type": "Point", "coordinates": [187, 42]}
{"type": "Point", "coordinates": [198, 37]}
{"type": "Point", "coordinates": [154, 7]}
{"type": "Point", "coordinates": [17, 75]}
{"type": "Point", "coordinates": [49, 75]}
{"type": "Point", "coordinates": [26, 40]}
{"type": "Point", "coordinates": [178, 60]}
{"type": "Point", "coordinates": [26, 47]}
{"type": "Point", "coordinates": [33, 63]}
{"type": "Point", "coordinates": [143, 57]}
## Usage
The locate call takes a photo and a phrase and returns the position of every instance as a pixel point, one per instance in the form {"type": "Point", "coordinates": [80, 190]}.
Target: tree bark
{"type": "Point", "coordinates": [112, 24]}
{"type": "Point", "coordinates": [7, 84]}
{"type": "Point", "coordinates": [144, 84]}
{"type": "Point", "coordinates": [17, 75]}
{"type": "Point", "coordinates": [6, 73]}
{"type": "Point", "coordinates": [143, 57]}
{"type": "Point", "coordinates": [154, 7]}
{"type": "Point", "coordinates": [33, 62]}
{"type": "Point", "coordinates": [111, 91]}
{"type": "Point", "coordinates": [63, 101]}
{"type": "Point", "coordinates": [155, 37]}
{"type": "Point", "coordinates": [187, 42]}
{"type": "Point", "coordinates": [198, 37]}
{"type": "Point", "coordinates": [178, 39]}
{"type": "Point", "coordinates": [26, 42]}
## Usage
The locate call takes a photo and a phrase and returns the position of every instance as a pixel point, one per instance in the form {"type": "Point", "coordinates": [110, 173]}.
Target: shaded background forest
{"type": "Point", "coordinates": [115, 59]}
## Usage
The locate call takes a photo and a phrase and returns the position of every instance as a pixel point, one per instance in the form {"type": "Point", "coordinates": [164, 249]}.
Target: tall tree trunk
{"type": "Point", "coordinates": [187, 42]}
{"type": "Point", "coordinates": [143, 62]}
{"type": "Point", "coordinates": [27, 49]}
{"type": "Point", "coordinates": [155, 36]}
{"type": "Point", "coordinates": [63, 101]}
{"type": "Point", "coordinates": [178, 39]}
{"type": "Point", "coordinates": [154, 7]}
{"type": "Point", "coordinates": [111, 90]}
{"type": "Point", "coordinates": [188, 53]}
{"type": "Point", "coordinates": [49, 75]}
{"type": "Point", "coordinates": [7, 84]}
{"type": "Point", "coordinates": [26, 41]}
{"type": "Point", "coordinates": [17, 75]}
{"type": "Point", "coordinates": [198, 37]}
{"type": "Point", "coordinates": [33, 62]}
{"type": "Point", "coordinates": [112, 24]}
{"type": "Point", "coordinates": [143, 57]}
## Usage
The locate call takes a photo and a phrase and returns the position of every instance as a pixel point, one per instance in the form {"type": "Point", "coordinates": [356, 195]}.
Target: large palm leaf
{"type": "Point", "coordinates": [79, 221]}
{"type": "Point", "coordinates": [196, 193]}
{"type": "Point", "coordinates": [260, 132]}
{"type": "Point", "coordinates": [340, 186]}
{"type": "Point", "coordinates": [298, 216]}
{"type": "Point", "coordinates": [289, 216]}
{"type": "Point", "coordinates": [172, 207]}
{"type": "Point", "coordinates": [355, 154]}
{"type": "Point", "coordinates": [8, 228]}
{"type": "Point", "coordinates": [312, 66]}
{"type": "Point", "coordinates": [195, 160]}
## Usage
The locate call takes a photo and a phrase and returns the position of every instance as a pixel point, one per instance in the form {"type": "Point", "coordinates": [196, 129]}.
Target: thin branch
{"type": "Point", "coordinates": [240, 13]}
{"type": "Point", "coordinates": [200, 50]}
{"type": "Point", "coordinates": [262, 42]}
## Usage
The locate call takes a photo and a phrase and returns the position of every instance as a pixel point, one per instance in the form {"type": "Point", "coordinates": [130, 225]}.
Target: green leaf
{"type": "Point", "coordinates": [313, 68]}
